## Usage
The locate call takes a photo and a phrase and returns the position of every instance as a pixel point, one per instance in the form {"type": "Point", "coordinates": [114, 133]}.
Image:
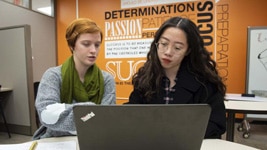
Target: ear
{"type": "Point", "coordinates": [71, 48]}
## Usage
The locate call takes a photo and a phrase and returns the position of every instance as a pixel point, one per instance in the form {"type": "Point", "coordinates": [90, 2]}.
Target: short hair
{"type": "Point", "coordinates": [78, 27]}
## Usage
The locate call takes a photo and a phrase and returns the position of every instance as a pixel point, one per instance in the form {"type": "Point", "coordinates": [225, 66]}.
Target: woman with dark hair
{"type": "Point", "coordinates": [179, 70]}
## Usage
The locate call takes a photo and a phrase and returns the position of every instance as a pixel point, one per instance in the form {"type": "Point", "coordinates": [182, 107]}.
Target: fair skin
{"type": "Point", "coordinates": [85, 52]}
{"type": "Point", "coordinates": [173, 48]}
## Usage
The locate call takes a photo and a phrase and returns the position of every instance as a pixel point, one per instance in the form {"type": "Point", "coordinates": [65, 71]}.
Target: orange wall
{"type": "Point", "coordinates": [65, 13]}
{"type": "Point", "coordinates": [238, 15]}
{"type": "Point", "coordinates": [242, 14]}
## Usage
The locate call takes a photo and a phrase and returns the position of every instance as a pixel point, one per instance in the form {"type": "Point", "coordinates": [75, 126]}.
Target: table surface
{"type": "Point", "coordinates": [238, 102]}
{"type": "Point", "coordinates": [246, 105]}
{"type": "Point", "coordinates": [235, 103]}
{"type": "Point", "coordinates": [238, 97]}
{"type": "Point", "coordinates": [208, 144]}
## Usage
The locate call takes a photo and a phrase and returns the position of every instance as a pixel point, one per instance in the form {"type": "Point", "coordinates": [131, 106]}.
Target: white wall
{"type": "Point", "coordinates": [43, 52]}
{"type": "Point", "coordinates": [16, 73]}
{"type": "Point", "coordinates": [43, 34]}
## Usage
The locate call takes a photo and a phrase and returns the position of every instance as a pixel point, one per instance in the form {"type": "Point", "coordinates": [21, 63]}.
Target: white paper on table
{"type": "Point", "coordinates": [65, 145]}
{"type": "Point", "coordinates": [21, 146]}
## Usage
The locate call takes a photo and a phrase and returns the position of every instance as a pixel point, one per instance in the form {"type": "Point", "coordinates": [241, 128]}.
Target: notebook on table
{"type": "Point", "coordinates": [141, 127]}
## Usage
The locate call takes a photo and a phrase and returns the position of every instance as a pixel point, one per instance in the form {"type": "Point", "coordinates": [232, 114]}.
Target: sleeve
{"type": "Point", "coordinates": [53, 114]}
{"type": "Point", "coordinates": [109, 96]}
{"type": "Point", "coordinates": [135, 98]}
{"type": "Point", "coordinates": [217, 122]}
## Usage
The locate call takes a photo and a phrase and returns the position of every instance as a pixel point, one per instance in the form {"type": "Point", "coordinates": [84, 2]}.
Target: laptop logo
{"type": "Point", "coordinates": [87, 117]}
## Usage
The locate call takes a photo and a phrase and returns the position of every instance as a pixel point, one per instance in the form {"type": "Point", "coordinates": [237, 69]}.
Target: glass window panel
{"type": "Point", "coordinates": [43, 6]}
{"type": "Point", "coordinates": [23, 3]}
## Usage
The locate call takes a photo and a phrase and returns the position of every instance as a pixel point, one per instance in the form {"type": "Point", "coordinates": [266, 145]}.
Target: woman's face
{"type": "Point", "coordinates": [172, 48]}
{"type": "Point", "coordinates": [86, 49]}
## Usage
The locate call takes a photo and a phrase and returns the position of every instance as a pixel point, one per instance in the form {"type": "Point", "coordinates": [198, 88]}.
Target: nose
{"type": "Point", "coordinates": [169, 51]}
{"type": "Point", "coordinates": [92, 49]}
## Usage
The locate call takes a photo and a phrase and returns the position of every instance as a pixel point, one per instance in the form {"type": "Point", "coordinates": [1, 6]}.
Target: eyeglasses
{"type": "Point", "coordinates": [164, 46]}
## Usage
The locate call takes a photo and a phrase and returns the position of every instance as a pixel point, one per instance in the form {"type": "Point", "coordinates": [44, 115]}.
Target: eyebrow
{"type": "Point", "coordinates": [169, 40]}
{"type": "Point", "coordinates": [90, 41]}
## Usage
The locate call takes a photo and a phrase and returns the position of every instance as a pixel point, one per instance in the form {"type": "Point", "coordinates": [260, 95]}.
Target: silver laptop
{"type": "Point", "coordinates": [141, 127]}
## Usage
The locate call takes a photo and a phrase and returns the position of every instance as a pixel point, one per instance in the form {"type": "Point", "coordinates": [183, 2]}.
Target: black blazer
{"type": "Point", "coordinates": [189, 90]}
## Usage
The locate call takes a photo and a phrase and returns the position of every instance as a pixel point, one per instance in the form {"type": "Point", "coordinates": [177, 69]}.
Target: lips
{"type": "Point", "coordinates": [166, 61]}
{"type": "Point", "coordinates": [91, 58]}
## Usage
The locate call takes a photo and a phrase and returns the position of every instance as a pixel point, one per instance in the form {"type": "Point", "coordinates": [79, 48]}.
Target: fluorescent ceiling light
{"type": "Point", "coordinates": [45, 10]}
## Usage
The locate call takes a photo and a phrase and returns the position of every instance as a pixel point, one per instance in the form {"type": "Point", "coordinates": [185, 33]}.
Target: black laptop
{"type": "Point", "coordinates": [141, 127]}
